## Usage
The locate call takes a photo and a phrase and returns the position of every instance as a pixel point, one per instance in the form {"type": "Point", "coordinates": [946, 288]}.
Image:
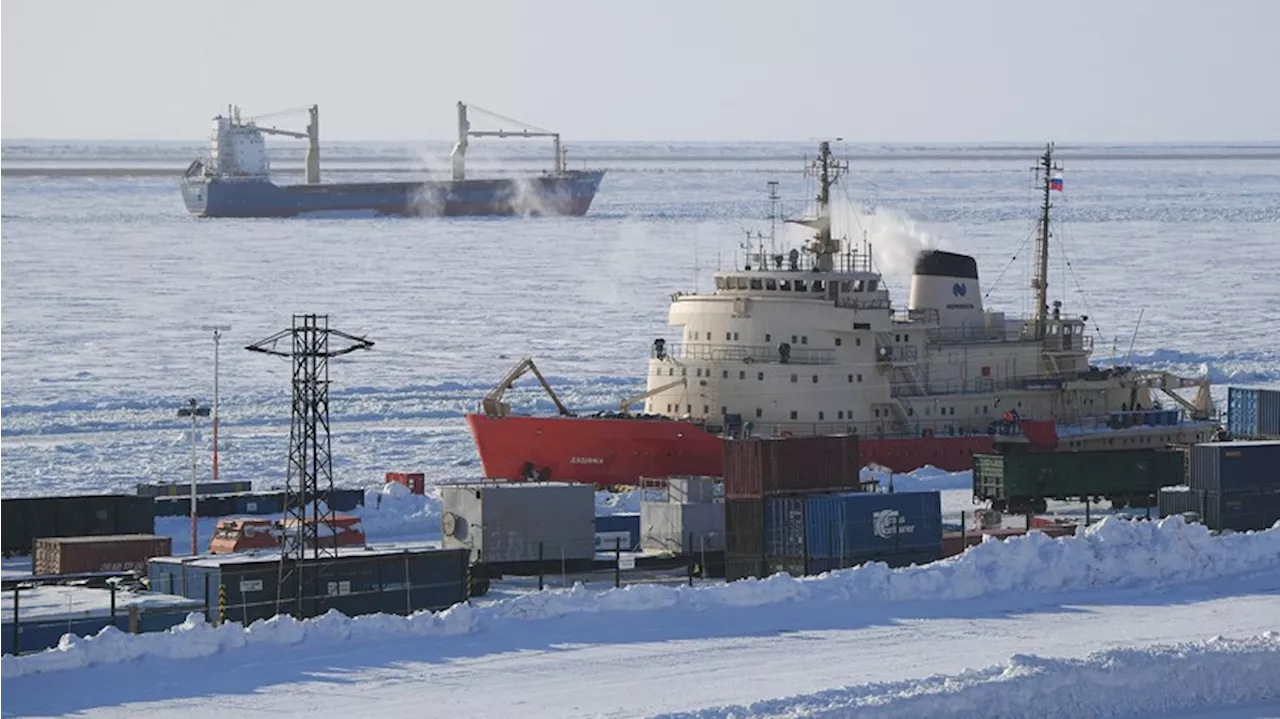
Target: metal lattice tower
{"type": "Point", "coordinates": [308, 518]}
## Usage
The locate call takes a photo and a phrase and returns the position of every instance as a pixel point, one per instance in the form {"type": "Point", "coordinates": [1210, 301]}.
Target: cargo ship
{"type": "Point", "coordinates": [806, 341]}
{"type": "Point", "coordinates": [234, 180]}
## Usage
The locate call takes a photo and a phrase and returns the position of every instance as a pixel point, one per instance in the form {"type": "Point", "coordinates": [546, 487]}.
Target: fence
{"type": "Point", "coordinates": [37, 616]}
{"type": "Point", "coordinates": [617, 566]}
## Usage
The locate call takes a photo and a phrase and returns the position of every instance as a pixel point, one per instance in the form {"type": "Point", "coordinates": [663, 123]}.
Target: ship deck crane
{"type": "Point", "coordinates": [459, 154]}
{"type": "Point", "coordinates": [626, 403]}
{"type": "Point", "coordinates": [311, 135]}
{"type": "Point", "coordinates": [492, 404]}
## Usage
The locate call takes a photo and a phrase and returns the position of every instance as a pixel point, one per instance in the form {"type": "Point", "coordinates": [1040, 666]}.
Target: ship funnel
{"type": "Point", "coordinates": [948, 284]}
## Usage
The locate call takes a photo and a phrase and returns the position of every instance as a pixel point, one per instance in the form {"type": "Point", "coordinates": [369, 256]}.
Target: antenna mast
{"type": "Point", "coordinates": [1040, 281]}
{"type": "Point", "coordinates": [829, 171]}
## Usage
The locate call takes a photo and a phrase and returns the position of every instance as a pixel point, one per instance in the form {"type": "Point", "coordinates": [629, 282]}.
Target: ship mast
{"type": "Point", "coordinates": [1040, 280]}
{"type": "Point", "coordinates": [828, 170]}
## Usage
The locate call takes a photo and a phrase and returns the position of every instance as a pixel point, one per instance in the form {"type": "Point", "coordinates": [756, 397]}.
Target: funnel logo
{"type": "Point", "coordinates": [887, 523]}
{"type": "Point", "coordinates": [958, 289]}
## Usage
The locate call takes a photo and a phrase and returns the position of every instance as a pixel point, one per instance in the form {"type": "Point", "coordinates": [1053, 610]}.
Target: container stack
{"type": "Point", "coordinates": [1237, 484]}
{"type": "Point", "coordinates": [1253, 413]}
{"type": "Point", "coordinates": [796, 505]}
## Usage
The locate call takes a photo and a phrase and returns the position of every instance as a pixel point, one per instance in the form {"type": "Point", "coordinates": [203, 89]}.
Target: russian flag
{"type": "Point", "coordinates": [1055, 183]}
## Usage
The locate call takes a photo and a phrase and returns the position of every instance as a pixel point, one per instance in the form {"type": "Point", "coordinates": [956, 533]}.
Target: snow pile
{"type": "Point", "coordinates": [927, 478]}
{"type": "Point", "coordinates": [1110, 554]}
{"type": "Point", "coordinates": [1154, 681]}
{"type": "Point", "coordinates": [625, 502]}
{"type": "Point", "coordinates": [391, 511]}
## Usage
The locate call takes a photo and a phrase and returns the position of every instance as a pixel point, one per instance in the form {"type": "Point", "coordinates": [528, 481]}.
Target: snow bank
{"type": "Point", "coordinates": [391, 511]}
{"type": "Point", "coordinates": [1124, 682]}
{"type": "Point", "coordinates": [926, 478]}
{"type": "Point", "coordinates": [1110, 554]}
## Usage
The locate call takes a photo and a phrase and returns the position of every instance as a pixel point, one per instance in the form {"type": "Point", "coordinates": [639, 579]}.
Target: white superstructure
{"type": "Point", "coordinates": [809, 342]}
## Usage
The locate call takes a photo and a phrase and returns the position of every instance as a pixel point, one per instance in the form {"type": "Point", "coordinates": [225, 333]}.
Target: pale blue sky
{"type": "Point", "coordinates": [893, 71]}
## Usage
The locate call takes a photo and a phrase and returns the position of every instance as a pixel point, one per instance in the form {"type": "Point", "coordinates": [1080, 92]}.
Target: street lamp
{"type": "Point", "coordinates": [193, 410]}
{"type": "Point", "coordinates": [217, 337]}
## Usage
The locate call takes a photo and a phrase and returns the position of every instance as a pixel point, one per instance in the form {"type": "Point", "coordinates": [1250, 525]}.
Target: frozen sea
{"type": "Point", "coordinates": [107, 280]}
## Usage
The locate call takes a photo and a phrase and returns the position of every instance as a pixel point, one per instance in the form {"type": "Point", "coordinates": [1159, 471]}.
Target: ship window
{"type": "Point", "coordinates": [857, 341]}
{"type": "Point", "coordinates": [684, 371]}
{"type": "Point", "coordinates": [759, 413]}
{"type": "Point", "coordinates": [735, 336]}
{"type": "Point", "coordinates": [740, 283]}
{"type": "Point", "coordinates": [857, 286]}
{"type": "Point", "coordinates": [871, 285]}
{"type": "Point", "coordinates": [846, 286]}
{"type": "Point", "coordinates": [911, 412]}
{"type": "Point", "coordinates": [838, 342]}
{"type": "Point", "coordinates": [698, 371]}
{"type": "Point", "coordinates": [815, 379]}
{"type": "Point", "coordinates": [804, 339]}
{"type": "Point", "coordinates": [794, 378]}
{"type": "Point", "coordinates": [742, 374]}
{"type": "Point", "coordinates": [688, 408]}
{"type": "Point", "coordinates": [756, 283]}
{"type": "Point", "coordinates": [795, 339]}
{"type": "Point", "coordinates": [840, 414]}
{"type": "Point", "coordinates": [801, 286]}
{"type": "Point", "coordinates": [906, 338]}
{"type": "Point", "coordinates": [768, 338]}
{"type": "Point", "coordinates": [719, 283]}
{"type": "Point", "coordinates": [820, 417]}
{"type": "Point", "coordinates": [984, 409]}
{"type": "Point", "coordinates": [876, 412]}
{"type": "Point", "coordinates": [819, 287]}
{"type": "Point", "coordinates": [728, 336]}
{"type": "Point", "coordinates": [695, 335]}
{"type": "Point", "coordinates": [850, 379]}
{"type": "Point", "coordinates": [771, 284]}
{"type": "Point", "coordinates": [671, 371]}
{"type": "Point", "coordinates": [859, 378]}
{"type": "Point", "coordinates": [784, 285]}
{"type": "Point", "coordinates": [724, 374]}
{"type": "Point", "coordinates": [897, 338]}
{"type": "Point", "coordinates": [760, 376]}
{"type": "Point", "coordinates": [724, 410]}
{"type": "Point", "coordinates": [706, 409]}
{"type": "Point", "coordinates": [668, 408]}
{"type": "Point", "coordinates": [793, 414]}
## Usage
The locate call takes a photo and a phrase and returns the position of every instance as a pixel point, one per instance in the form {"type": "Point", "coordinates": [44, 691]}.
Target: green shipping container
{"type": "Point", "coordinates": [1126, 477]}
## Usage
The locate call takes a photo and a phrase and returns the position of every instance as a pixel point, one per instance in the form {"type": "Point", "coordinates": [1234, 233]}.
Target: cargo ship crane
{"type": "Point", "coordinates": [459, 154]}
{"type": "Point", "coordinates": [311, 135]}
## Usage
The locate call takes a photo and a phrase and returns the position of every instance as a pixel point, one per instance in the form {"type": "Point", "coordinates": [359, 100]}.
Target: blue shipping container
{"type": "Point", "coordinates": [784, 527]}
{"type": "Point", "coordinates": [1228, 467]}
{"type": "Point", "coordinates": [1253, 413]}
{"type": "Point", "coordinates": [873, 524]}
{"type": "Point", "coordinates": [609, 527]}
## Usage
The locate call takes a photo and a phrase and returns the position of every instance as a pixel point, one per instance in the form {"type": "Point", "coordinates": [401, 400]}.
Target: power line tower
{"type": "Point", "coordinates": [308, 518]}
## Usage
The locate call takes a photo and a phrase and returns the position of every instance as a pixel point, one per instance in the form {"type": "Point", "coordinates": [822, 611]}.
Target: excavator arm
{"type": "Point", "coordinates": [626, 403]}
{"type": "Point", "coordinates": [492, 404]}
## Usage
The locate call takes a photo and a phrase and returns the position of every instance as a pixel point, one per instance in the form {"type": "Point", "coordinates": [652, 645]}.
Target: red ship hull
{"type": "Point", "coordinates": [609, 452]}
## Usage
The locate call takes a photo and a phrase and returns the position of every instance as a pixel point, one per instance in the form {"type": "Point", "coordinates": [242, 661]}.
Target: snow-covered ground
{"type": "Point", "coordinates": [1128, 618]}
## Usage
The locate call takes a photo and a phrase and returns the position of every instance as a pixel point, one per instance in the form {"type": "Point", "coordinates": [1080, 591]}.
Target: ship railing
{"type": "Point", "coordinates": [954, 335]}
{"type": "Point", "coordinates": [976, 385]}
{"type": "Point", "coordinates": [860, 303]}
{"type": "Point", "coordinates": [888, 428]}
{"type": "Point", "coordinates": [748, 353]}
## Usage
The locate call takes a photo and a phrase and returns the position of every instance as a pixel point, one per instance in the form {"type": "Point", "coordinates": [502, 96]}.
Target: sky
{"type": "Point", "coordinates": [864, 70]}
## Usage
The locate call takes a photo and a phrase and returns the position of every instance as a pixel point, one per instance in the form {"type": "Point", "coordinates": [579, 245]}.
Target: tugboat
{"type": "Point", "coordinates": [807, 342]}
{"type": "Point", "coordinates": [234, 180]}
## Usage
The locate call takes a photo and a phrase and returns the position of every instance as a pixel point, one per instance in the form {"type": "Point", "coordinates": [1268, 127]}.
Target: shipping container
{"type": "Point", "coordinates": [691, 489]}
{"type": "Point", "coordinates": [682, 528]}
{"type": "Point", "coordinates": [744, 527]}
{"type": "Point", "coordinates": [254, 504]}
{"type": "Point", "coordinates": [359, 581]}
{"type": "Point", "coordinates": [1131, 477]}
{"type": "Point", "coordinates": [1180, 499]}
{"type": "Point", "coordinates": [743, 567]}
{"type": "Point", "coordinates": [1253, 510]}
{"type": "Point", "coordinates": [764, 467]}
{"type": "Point", "coordinates": [613, 527]}
{"type": "Point", "coordinates": [1228, 467]}
{"type": "Point", "coordinates": [784, 528]}
{"type": "Point", "coordinates": [1253, 413]}
{"type": "Point", "coordinates": [25, 519]}
{"type": "Point", "coordinates": [872, 525]}
{"type": "Point", "coordinates": [502, 522]}
{"type": "Point", "coordinates": [416, 482]}
{"type": "Point", "coordinates": [106, 553]}
{"type": "Point", "coordinates": [181, 489]}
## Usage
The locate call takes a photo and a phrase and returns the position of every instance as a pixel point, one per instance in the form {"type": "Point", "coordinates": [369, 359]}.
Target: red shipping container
{"type": "Point", "coordinates": [415, 481]}
{"type": "Point", "coordinates": [104, 553]}
{"type": "Point", "coordinates": [755, 468]}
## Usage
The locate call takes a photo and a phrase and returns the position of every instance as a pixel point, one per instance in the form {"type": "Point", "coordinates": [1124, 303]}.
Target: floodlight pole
{"type": "Point", "coordinates": [193, 410]}
{"type": "Point", "coordinates": [217, 336]}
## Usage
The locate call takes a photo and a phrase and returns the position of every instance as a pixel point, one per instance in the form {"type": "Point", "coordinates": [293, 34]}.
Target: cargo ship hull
{"type": "Point", "coordinates": [610, 452]}
{"type": "Point", "coordinates": [570, 193]}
